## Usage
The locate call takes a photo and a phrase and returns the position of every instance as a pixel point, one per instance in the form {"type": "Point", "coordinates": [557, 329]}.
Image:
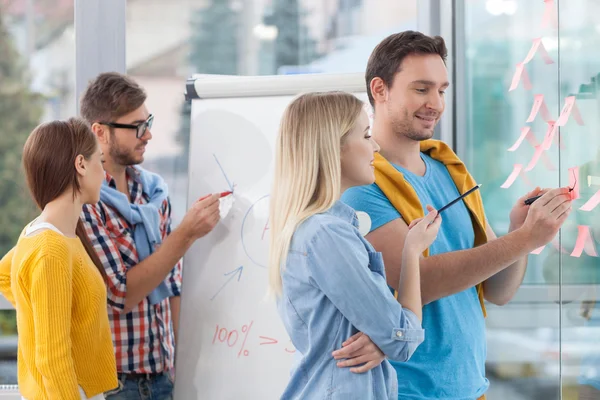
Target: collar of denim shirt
{"type": "Point", "coordinates": [345, 212]}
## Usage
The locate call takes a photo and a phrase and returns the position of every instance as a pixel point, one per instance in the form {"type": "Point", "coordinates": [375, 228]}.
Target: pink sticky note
{"type": "Point", "coordinates": [568, 108]}
{"type": "Point", "coordinates": [591, 203]}
{"type": "Point", "coordinates": [539, 105]}
{"type": "Point", "coordinates": [525, 132]}
{"type": "Point", "coordinates": [526, 82]}
{"type": "Point", "coordinates": [584, 242]}
{"type": "Point", "coordinates": [550, 132]}
{"type": "Point", "coordinates": [535, 47]}
{"type": "Point", "coordinates": [532, 50]}
{"type": "Point", "coordinates": [549, 16]}
{"type": "Point", "coordinates": [538, 250]}
{"type": "Point", "coordinates": [511, 178]}
{"type": "Point", "coordinates": [574, 182]}
{"type": "Point", "coordinates": [520, 74]}
{"type": "Point", "coordinates": [536, 156]}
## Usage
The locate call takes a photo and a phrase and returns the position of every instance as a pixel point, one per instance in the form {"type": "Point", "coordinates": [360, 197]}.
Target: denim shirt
{"type": "Point", "coordinates": [333, 287]}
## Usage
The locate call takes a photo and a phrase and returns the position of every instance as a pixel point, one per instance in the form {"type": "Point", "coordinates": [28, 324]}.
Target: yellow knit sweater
{"type": "Point", "coordinates": [64, 334]}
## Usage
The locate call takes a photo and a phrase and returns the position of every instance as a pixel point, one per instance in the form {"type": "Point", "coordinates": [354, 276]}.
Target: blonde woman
{"type": "Point", "coordinates": [53, 277]}
{"type": "Point", "coordinates": [329, 281]}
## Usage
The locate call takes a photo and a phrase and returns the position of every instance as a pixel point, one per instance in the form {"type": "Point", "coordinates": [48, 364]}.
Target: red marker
{"type": "Point", "coordinates": [222, 194]}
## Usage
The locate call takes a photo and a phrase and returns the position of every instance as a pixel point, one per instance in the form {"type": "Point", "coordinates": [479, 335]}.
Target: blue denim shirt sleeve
{"type": "Point", "coordinates": [338, 263]}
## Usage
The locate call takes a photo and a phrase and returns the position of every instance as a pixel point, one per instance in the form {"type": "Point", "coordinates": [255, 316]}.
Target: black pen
{"type": "Point", "coordinates": [468, 192]}
{"type": "Point", "coordinates": [530, 200]}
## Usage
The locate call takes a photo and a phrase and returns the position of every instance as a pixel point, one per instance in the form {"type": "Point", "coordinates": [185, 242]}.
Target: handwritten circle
{"type": "Point", "coordinates": [254, 240]}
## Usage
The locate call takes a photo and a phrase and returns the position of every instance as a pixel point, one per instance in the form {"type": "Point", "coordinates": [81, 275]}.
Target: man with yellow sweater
{"type": "Point", "coordinates": [406, 78]}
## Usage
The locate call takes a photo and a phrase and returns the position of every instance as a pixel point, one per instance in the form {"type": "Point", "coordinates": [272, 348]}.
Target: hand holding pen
{"type": "Point", "coordinates": [546, 215]}
{"type": "Point", "coordinates": [530, 200]}
{"type": "Point", "coordinates": [202, 216]}
{"type": "Point", "coordinates": [220, 195]}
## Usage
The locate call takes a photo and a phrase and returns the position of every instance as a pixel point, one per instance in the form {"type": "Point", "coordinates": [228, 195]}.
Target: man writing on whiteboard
{"type": "Point", "coordinates": [406, 78]}
{"type": "Point", "coordinates": [130, 229]}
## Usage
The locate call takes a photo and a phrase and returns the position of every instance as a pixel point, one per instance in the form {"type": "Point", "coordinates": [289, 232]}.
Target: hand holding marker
{"type": "Point", "coordinates": [221, 195]}
{"type": "Point", "coordinates": [530, 200]}
{"type": "Point", "coordinates": [225, 205]}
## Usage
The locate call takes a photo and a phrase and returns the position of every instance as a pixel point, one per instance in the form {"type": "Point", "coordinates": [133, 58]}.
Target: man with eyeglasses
{"type": "Point", "coordinates": [130, 229]}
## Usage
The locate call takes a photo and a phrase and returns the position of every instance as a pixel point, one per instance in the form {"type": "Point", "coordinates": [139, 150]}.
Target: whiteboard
{"type": "Point", "coordinates": [231, 343]}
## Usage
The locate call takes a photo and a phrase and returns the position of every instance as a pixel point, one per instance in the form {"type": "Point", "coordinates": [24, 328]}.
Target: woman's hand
{"type": "Point", "coordinates": [423, 231]}
{"type": "Point", "coordinates": [359, 349]}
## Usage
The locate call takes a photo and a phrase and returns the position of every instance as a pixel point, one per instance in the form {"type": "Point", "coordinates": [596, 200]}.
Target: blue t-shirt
{"type": "Point", "coordinates": [450, 363]}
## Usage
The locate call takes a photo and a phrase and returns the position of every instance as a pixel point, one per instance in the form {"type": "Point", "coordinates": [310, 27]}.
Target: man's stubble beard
{"type": "Point", "coordinates": [123, 157]}
{"type": "Point", "coordinates": [402, 127]}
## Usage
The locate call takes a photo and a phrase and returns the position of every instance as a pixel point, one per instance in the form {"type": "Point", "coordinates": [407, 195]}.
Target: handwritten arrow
{"type": "Point", "coordinates": [231, 274]}
{"type": "Point", "coordinates": [231, 186]}
{"type": "Point", "coordinates": [270, 340]}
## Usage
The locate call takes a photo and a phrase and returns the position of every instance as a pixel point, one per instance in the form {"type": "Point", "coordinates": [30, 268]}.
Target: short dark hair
{"type": "Point", "coordinates": [386, 58]}
{"type": "Point", "coordinates": [110, 96]}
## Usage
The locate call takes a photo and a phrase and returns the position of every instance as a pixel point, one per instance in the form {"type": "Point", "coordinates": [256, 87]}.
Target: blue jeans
{"type": "Point", "coordinates": [157, 387]}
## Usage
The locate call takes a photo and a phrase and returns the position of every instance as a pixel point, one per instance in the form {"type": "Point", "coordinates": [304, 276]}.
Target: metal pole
{"type": "Point", "coordinates": [99, 40]}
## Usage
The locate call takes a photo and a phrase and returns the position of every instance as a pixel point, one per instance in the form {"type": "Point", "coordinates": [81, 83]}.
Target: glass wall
{"type": "Point", "coordinates": [250, 37]}
{"type": "Point", "coordinates": [527, 66]}
{"type": "Point", "coordinates": [579, 72]}
{"type": "Point", "coordinates": [37, 67]}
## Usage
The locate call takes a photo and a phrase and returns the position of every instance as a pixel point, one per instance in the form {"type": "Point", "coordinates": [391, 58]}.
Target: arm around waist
{"type": "Point", "coordinates": [338, 263]}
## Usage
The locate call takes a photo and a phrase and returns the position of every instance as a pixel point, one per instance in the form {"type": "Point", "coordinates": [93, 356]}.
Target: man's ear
{"type": "Point", "coordinates": [379, 90]}
{"type": "Point", "coordinates": [80, 166]}
{"type": "Point", "coordinates": [101, 131]}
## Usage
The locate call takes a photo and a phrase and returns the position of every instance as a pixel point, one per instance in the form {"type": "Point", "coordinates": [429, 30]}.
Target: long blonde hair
{"type": "Point", "coordinates": [307, 167]}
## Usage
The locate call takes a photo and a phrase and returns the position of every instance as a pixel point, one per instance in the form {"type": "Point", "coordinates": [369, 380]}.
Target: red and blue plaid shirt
{"type": "Point", "coordinates": [143, 338]}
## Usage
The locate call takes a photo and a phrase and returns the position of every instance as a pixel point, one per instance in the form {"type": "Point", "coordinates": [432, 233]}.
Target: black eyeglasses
{"type": "Point", "coordinates": [140, 129]}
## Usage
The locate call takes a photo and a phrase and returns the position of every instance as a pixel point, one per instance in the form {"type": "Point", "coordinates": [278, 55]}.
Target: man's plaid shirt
{"type": "Point", "coordinates": [143, 338]}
